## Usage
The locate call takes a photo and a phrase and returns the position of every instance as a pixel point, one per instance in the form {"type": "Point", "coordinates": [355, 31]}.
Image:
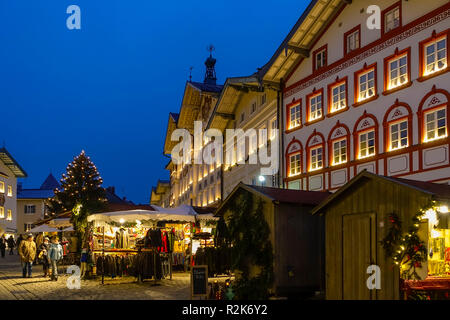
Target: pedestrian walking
{"type": "Point", "coordinates": [27, 252]}
{"type": "Point", "coordinates": [11, 245]}
{"type": "Point", "coordinates": [43, 255]}
{"type": "Point", "coordinates": [19, 240]}
{"type": "Point", "coordinates": [55, 254]}
{"type": "Point", "coordinates": [3, 245]}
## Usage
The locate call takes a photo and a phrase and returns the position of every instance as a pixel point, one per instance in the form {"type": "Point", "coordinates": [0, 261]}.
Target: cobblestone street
{"type": "Point", "coordinates": [14, 287]}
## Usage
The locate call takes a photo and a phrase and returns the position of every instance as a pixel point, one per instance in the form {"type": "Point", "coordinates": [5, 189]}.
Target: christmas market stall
{"type": "Point", "coordinates": [277, 244]}
{"type": "Point", "coordinates": [387, 238]}
{"type": "Point", "coordinates": [142, 244]}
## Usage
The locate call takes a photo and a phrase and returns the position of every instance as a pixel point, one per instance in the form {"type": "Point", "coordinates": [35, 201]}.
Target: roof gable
{"type": "Point", "coordinates": [50, 183]}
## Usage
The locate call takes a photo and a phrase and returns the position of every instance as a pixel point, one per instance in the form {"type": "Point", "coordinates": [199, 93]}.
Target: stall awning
{"type": "Point", "coordinates": [43, 228]}
{"type": "Point", "coordinates": [133, 215]}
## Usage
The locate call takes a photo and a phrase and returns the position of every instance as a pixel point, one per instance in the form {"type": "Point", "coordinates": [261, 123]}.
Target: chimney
{"type": "Point", "coordinates": [111, 190]}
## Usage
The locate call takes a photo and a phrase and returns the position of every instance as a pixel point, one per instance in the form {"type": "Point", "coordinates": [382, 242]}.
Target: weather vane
{"type": "Point", "coordinates": [190, 73]}
{"type": "Point", "coordinates": [210, 48]}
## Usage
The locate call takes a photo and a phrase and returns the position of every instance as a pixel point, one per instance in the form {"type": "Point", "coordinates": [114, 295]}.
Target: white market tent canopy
{"type": "Point", "coordinates": [43, 228]}
{"type": "Point", "coordinates": [133, 215]}
{"type": "Point", "coordinates": [68, 229]}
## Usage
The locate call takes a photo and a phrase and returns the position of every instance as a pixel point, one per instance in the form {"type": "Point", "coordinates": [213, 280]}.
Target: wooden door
{"type": "Point", "coordinates": [359, 252]}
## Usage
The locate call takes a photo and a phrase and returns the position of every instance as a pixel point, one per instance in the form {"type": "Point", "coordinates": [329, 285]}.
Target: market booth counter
{"type": "Point", "coordinates": [401, 226]}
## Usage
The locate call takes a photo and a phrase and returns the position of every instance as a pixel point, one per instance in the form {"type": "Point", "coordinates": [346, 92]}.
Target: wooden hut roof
{"type": "Point", "coordinates": [438, 191]}
{"type": "Point", "coordinates": [299, 197]}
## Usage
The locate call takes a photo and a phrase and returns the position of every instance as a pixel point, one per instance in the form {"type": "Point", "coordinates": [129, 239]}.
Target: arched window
{"type": "Point", "coordinates": [433, 115]}
{"type": "Point", "coordinates": [294, 158]}
{"type": "Point", "coordinates": [315, 151]}
{"type": "Point", "coordinates": [365, 136]}
{"type": "Point", "coordinates": [397, 126]}
{"type": "Point", "coordinates": [339, 145]}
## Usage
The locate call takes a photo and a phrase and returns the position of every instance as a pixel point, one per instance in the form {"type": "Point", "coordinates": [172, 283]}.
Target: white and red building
{"type": "Point", "coordinates": [358, 99]}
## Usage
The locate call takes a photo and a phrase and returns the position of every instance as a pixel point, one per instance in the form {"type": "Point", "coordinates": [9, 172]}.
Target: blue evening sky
{"type": "Point", "coordinates": [108, 87]}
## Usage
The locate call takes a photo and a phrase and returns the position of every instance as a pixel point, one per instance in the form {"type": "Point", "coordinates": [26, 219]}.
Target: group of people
{"type": "Point", "coordinates": [7, 242]}
{"type": "Point", "coordinates": [49, 253]}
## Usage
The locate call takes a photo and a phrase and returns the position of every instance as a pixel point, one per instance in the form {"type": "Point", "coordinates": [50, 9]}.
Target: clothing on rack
{"type": "Point", "coordinates": [144, 265]}
{"type": "Point", "coordinates": [114, 265]}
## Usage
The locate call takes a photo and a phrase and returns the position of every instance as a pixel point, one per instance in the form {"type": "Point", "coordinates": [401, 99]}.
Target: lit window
{"type": "Point", "coordinates": [366, 85]}
{"type": "Point", "coordinates": [2, 212]}
{"type": "Point", "coordinates": [316, 159]}
{"type": "Point", "coordinates": [294, 164]}
{"type": "Point", "coordinates": [315, 107]}
{"type": "Point", "coordinates": [338, 99]}
{"type": "Point", "coordinates": [294, 116]}
{"type": "Point", "coordinates": [366, 144]}
{"type": "Point", "coordinates": [435, 56]}
{"type": "Point", "coordinates": [353, 41]}
{"type": "Point", "coordinates": [435, 122]}
{"type": "Point", "coordinates": [262, 136]}
{"type": "Point", "coordinates": [10, 192]}
{"type": "Point", "coordinates": [392, 19]}
{"type": "Point", "coordinates": [398, 71]}
{"type": "Point", "coordinates": [273, 128]}
{"type": "Point", "coordinates": [320, 59]}
{"type": "Point", "coordinates": [9, 216]}
{"type": "Point", "coordinates": [2, 187]}
{"type": "Point", "coordinates": [399, 135]}
{"type": "Point", "coordinates": [339, 152]}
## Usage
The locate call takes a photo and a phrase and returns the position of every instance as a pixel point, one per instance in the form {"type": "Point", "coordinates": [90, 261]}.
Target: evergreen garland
{"type": "Point", "coordinates": [251, 247]}
{"type": "Point", "coordinates": [408, 250]}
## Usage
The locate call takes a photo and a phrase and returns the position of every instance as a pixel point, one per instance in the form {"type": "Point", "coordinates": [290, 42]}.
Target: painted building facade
{"type": "Point", "coordinates": [247, 105]}
{"type": "Point", "coordinates": [10, 170]}
{"type": "Point", "coordinates": [358, 99]}
{"type": "Point", "coordinates": [194, 184]}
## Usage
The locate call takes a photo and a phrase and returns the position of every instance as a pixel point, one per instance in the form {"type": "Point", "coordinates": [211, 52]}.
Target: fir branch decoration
{"type": "Point", "coordinates": [251, 248]}
{"type": "Point", "coordinates": [407, 250]}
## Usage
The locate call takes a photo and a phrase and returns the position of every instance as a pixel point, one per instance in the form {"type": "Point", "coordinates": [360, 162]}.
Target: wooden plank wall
{"type": "Point", "coordinates": [376, 196]}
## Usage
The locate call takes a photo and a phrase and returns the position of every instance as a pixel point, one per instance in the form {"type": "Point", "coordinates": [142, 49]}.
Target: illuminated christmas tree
{"type": "Point", "coordinates": [81, 192]}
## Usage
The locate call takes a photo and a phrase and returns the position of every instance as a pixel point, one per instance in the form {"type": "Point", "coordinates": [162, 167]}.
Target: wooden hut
{"type": "Point", "coordinates": [357, 219]}
{"type": "Point", "coordinates": [296, 236]}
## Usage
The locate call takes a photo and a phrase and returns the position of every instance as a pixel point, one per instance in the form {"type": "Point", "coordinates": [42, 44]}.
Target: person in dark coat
{"type": "Point", "coordinates": [3, 245]}
{"type": "Point", "coordinates": [43, 255]}
{"type": "Point", "coordinates": [19, 240]}
{"type": "Point", "coordinates": [11, 244]}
